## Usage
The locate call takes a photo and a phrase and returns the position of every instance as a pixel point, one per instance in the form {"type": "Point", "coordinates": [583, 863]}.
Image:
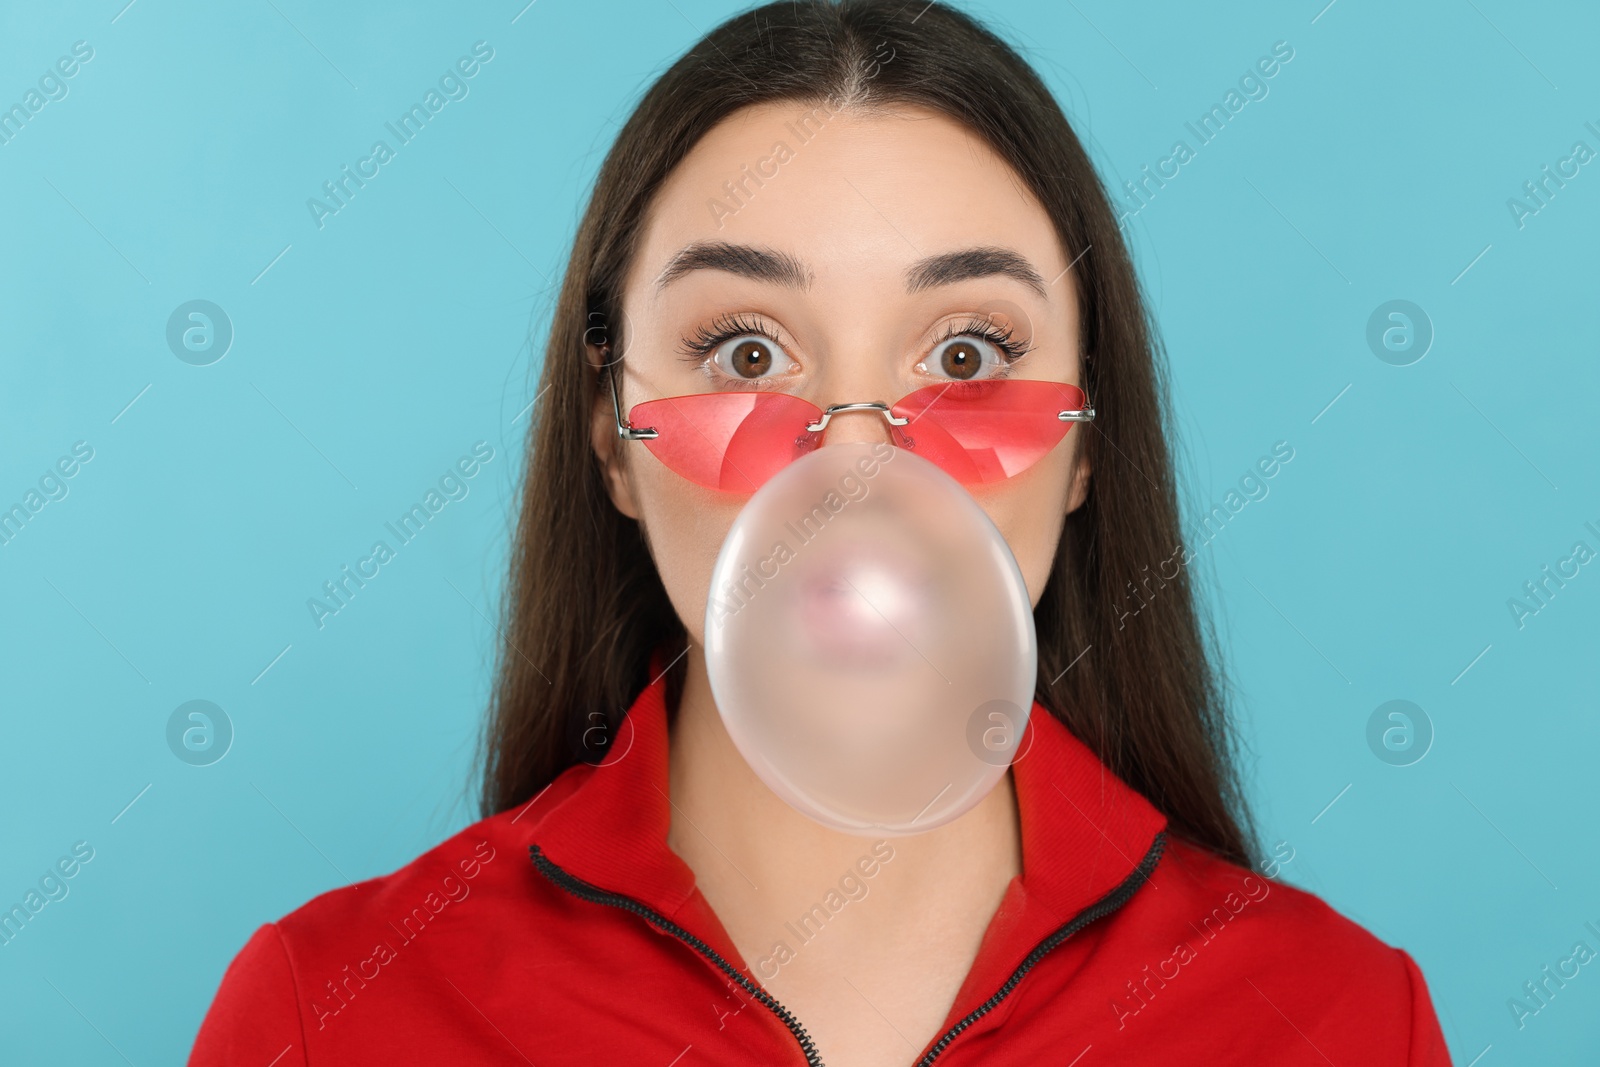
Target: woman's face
{"type": "Point", "coordinates": [879, 253]}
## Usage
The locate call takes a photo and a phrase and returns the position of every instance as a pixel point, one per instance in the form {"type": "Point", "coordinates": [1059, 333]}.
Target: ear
{"type": "Point", "coordinates": [605, 442]}
{"type": "Point", "coordinates": [1079, 489]}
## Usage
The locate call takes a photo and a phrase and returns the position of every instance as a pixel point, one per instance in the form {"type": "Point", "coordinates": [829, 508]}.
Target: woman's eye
{"type": "Point", "coordinates": [750, 356]}
{"type": "Point", "coordinates": [964, 358]}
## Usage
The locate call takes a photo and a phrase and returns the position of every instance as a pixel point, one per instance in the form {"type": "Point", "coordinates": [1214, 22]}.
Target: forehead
{"type": "Point", "coordinates": [855, 196]}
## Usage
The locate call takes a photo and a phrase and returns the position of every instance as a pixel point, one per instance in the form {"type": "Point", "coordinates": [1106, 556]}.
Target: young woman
{"type": "Point", "coordinates": [843, 203]}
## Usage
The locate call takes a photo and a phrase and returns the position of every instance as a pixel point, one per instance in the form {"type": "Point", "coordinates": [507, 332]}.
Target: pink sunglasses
{"type": "Point", "coordinates": [977, 431]}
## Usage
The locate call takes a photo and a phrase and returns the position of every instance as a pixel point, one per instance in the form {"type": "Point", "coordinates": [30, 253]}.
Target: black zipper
{"type": "Point", "coordinates": [1098, 910]}
{"type": "Point", "coordinates": [583, 890]}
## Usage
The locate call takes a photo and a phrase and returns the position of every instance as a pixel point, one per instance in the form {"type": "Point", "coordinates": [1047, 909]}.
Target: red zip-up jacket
{"type": "Point", "coordinates": [566, 932]}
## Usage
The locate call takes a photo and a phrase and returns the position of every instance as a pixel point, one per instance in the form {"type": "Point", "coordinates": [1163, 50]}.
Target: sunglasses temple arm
{"type": "Point", "coordinates": [624, 431]}
{"type": "Point", "coordinates": [1080, 415]}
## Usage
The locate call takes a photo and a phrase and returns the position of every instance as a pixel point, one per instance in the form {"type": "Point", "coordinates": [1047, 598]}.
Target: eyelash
{"type": "Point", "coordinates": [707, 338]}
{"type": "Point", "coordinates": [1001, 337]}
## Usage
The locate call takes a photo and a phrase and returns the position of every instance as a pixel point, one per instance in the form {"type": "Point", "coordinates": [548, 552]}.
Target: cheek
{"type": "Point", "coordinates": [686, 525]}
{"type": "Point", "coordinates": [1030, 512]}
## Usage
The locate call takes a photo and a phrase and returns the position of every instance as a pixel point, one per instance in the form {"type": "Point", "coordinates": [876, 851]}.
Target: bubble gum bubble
{"type": "Point", "coordinates": [865, 619]}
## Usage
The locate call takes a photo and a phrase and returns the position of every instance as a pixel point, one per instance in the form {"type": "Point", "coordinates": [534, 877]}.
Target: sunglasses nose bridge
{"type": "Point", "coordinates": [866, 407]}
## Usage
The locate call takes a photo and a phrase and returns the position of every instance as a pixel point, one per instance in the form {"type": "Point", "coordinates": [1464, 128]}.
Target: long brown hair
{"type": "Point", "coordinates": [585, 607]}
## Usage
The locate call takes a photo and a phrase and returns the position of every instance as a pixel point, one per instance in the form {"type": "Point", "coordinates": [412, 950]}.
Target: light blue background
{"type": "Point", "coordinates": [374, 352]}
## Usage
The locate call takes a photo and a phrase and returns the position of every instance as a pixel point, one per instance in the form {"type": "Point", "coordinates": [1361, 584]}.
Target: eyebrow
{"type": "Point", "coordinates": [764, 265]}
{"type": "Point", "coordinates": [744, 260]}
{"type": "Point", "coordinates": [949, 267]}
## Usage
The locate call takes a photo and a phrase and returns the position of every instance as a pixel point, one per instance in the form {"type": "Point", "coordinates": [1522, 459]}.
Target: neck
{"type": "Point", "coordinates": [759, 862]}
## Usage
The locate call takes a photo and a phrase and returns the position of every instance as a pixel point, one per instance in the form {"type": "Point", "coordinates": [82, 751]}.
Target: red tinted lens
{"type": "Point", "coordinates": [730, 441]}
{"type": "Point", "coordinates": [986, 431]}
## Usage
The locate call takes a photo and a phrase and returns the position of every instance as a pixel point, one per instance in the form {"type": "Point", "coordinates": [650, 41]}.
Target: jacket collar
{"type": "Point", "coordinates": [1084, 832]}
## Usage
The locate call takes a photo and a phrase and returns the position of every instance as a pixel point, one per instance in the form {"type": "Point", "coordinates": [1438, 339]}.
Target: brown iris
{"type": "Point", "coordinates": [961, 360]}
{"type": "Point", "coordinates": [751, 359]}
